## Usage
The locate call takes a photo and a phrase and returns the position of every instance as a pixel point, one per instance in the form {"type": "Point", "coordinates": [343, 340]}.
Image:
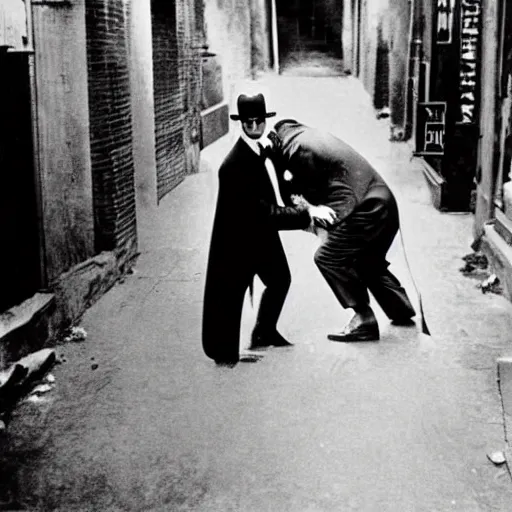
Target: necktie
{"type": "Point", "coordinates": [264, 153]}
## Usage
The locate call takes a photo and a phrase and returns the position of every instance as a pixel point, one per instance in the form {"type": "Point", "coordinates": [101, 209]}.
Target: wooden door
{"type": "Point", "coordinates": [19, 229]}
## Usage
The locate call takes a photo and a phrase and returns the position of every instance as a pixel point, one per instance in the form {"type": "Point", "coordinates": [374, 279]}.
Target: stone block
{"type": "Point", "coordinates": [214, 123]}
{"type": "Point", "coordinates": [25, 327]}
{"type": "Point", "coordinates": [82, 286]}
{"type": "Point", "coordinates": [212, 92]}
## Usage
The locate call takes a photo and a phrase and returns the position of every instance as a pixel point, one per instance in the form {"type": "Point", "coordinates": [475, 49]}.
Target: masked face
{"type": "Point", "coordinates": [254, 127]}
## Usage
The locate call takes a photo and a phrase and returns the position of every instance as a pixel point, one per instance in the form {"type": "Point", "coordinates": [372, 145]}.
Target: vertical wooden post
{"type": "Point", "coordinates": [143, 117]}
{"type": "Point", "coordinates": [35, 142]}
{"type": "Point", "coordinates": [63, 141]}
{"type": "Point", "coordinates": [485, 163]}
{"type": "Point", "coordinates": [347, 35]}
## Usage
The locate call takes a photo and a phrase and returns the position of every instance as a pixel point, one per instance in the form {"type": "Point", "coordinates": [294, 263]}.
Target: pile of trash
{"type": "Point", "coordinates": [476, 265]}
{"type": "Point", "coordinates": [475, 262]}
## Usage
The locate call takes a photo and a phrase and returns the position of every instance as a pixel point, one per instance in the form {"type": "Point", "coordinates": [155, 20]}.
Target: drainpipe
{"type": "Point", "coordinates": [274, 36]}
{"type": "Point", "coordinates": [417, 56]}
{"type": "Point", "coordinates": [413, 68]}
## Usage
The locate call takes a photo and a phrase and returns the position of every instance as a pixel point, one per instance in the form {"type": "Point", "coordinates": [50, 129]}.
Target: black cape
{"type": "Point", "coordinates": [246, 222]}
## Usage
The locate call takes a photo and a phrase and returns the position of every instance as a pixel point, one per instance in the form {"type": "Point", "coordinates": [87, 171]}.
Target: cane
{"type": "Point", "coordinates": [424, 326]}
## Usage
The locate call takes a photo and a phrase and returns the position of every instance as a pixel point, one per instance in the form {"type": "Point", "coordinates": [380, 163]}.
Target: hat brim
{"type": "Point", "coordinates": [236, 117]}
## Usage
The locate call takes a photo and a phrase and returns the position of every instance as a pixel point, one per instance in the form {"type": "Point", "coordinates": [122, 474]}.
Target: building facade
{"type": "Point", "coordinates": [423, 58]}
{"type": "Point", "coordinates": [493, 215]}
{"type": "Point", "coordinates": [104, 111]}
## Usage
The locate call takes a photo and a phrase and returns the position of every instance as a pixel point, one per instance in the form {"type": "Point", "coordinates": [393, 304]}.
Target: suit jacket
{"type": "Point", "coordinates": [245, 227]}
{"type": "Point", "coordinates": [326, 170]}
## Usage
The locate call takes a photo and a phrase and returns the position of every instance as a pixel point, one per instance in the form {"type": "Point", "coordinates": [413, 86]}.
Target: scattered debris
{"type": "Point", "coordinates": [497, 458]}
{"type": "Point", "coordinates": [383, 113]}
{"type": "Point", "coordinates": [36, 399]}
{"type": "Point", "coordinates": [476, 265]}
{"type": "Point", "coordinates": [491, 284]}
{"type": "Point", "coordinates": [474, 262]}
{"type": "Point", "coordinates": [41, 389]}
{"type": "Point", "coordinates": [75, 334]}
{"type": "Point", "coordinates": [397, 134]}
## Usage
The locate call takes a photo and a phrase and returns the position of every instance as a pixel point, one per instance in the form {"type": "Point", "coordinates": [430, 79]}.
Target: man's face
{"type": "Point", "coordinates": [254, 127]}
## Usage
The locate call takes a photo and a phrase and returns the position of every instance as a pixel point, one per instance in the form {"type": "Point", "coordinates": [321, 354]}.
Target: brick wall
{"type": "Point", "coordinates": [168, 96]}
{"type": "Point", "coordinates": [177, 45]}
{"type": "Point", "coordinates": [190, 46]}
{"type": "Point", "coordinates": [110, 125]}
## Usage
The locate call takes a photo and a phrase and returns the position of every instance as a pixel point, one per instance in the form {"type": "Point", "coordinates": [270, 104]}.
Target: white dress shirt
{"type": "Point", "coordinates": [254, 145]}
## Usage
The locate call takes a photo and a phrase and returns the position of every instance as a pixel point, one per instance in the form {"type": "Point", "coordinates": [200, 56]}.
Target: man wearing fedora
{"type": "Point", "coordinates": [245, 241]}
{"type": "Point", "coordinates": [352, 256]}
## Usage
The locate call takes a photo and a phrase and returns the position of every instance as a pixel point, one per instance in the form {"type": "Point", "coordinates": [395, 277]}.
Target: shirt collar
{"type": "Point", "coordinates": [253, 144]}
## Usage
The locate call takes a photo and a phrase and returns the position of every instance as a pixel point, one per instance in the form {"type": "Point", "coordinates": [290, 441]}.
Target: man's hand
{"type": "Point", "coordinates": [275, 140]}
{"type": "Point", "coordinates": [322, 215]}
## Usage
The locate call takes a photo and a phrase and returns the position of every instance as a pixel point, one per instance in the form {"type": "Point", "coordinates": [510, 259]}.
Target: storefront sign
{"type": "Point", "coordinates": [13, 24]}
{"type": "Point", "coordinates": [444, 26]}
{"type": "Point", "coordinates": [470, 15]}
{"type": "Point", "coordinates": [430, 128]}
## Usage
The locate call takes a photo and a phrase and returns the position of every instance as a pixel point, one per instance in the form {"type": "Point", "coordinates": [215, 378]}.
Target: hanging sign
{"type": "Point", "coordinates": [470, 15]}
{"type": "Point", "coordinates": [430, 128]}
{"type": "Point", "coordinates": [13, 24]}
{"type": "Point", "coordinates": [444, 26]}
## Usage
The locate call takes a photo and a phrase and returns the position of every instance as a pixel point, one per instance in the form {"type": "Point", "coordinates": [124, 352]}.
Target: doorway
{"type": "Point", "coordinates": [309, 34]}
{"type": "Point", "coordinates": [20, 269]}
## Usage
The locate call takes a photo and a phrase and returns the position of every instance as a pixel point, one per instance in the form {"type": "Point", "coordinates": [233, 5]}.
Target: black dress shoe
{"type": "Point", "coordinates": [361, 333]}
{"type": "Point", "coordinates": [226, 363]}
{"type": "Point", "coordinates": [261, 341]}
{"type": "Point", "coordinates": [258, 342]}
{"type": "Point", "coordinates": [279, 341]}
{"type": "Point", "coordinates": [403, 322]}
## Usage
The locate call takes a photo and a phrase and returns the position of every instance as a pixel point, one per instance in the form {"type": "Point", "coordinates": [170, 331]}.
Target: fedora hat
{"type": "Point", "coordinates": [250, 107]}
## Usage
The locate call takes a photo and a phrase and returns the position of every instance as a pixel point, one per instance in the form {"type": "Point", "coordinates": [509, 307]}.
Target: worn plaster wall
{"type": "Point", "coordinates": [260, 35]}
{"type": "Point", "coordinates": [334, 15]}
{"type": "Point", "coordinates": [228, 34]}
{"type": "Point", "coordinates": [399, 29]}
{"type": "Point", "coordinates": [111, 126]}
{"type": "Point", "coordinates": [143, 116]}
{"type": "Point", "coordinates": [63, 143]}
{"type": "Point", "coordinates": [373, 49]}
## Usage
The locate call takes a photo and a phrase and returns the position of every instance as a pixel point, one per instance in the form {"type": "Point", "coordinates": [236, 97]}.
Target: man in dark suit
{"type": "Point", "coordinates": [352, 258]}
{"type": "Point", "coordinates": [245, 241]}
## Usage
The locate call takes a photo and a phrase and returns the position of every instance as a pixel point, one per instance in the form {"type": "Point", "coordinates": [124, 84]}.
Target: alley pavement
{"type": "Point", "coordinates": [140, 420]}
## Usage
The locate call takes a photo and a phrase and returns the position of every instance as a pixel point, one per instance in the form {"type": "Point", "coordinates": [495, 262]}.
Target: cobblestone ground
{"type": "Point", "coordinates": [400, 425]}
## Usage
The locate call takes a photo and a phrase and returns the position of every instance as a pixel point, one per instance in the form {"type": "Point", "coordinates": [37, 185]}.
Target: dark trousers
{"type": "Point", "coordinates": [222, 318]}
{"type": "Point", "coordinates": [353, 258]}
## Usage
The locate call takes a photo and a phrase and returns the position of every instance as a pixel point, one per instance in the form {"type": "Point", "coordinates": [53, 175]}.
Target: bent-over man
{"type": "Point", "coordinates": [352, 257]}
